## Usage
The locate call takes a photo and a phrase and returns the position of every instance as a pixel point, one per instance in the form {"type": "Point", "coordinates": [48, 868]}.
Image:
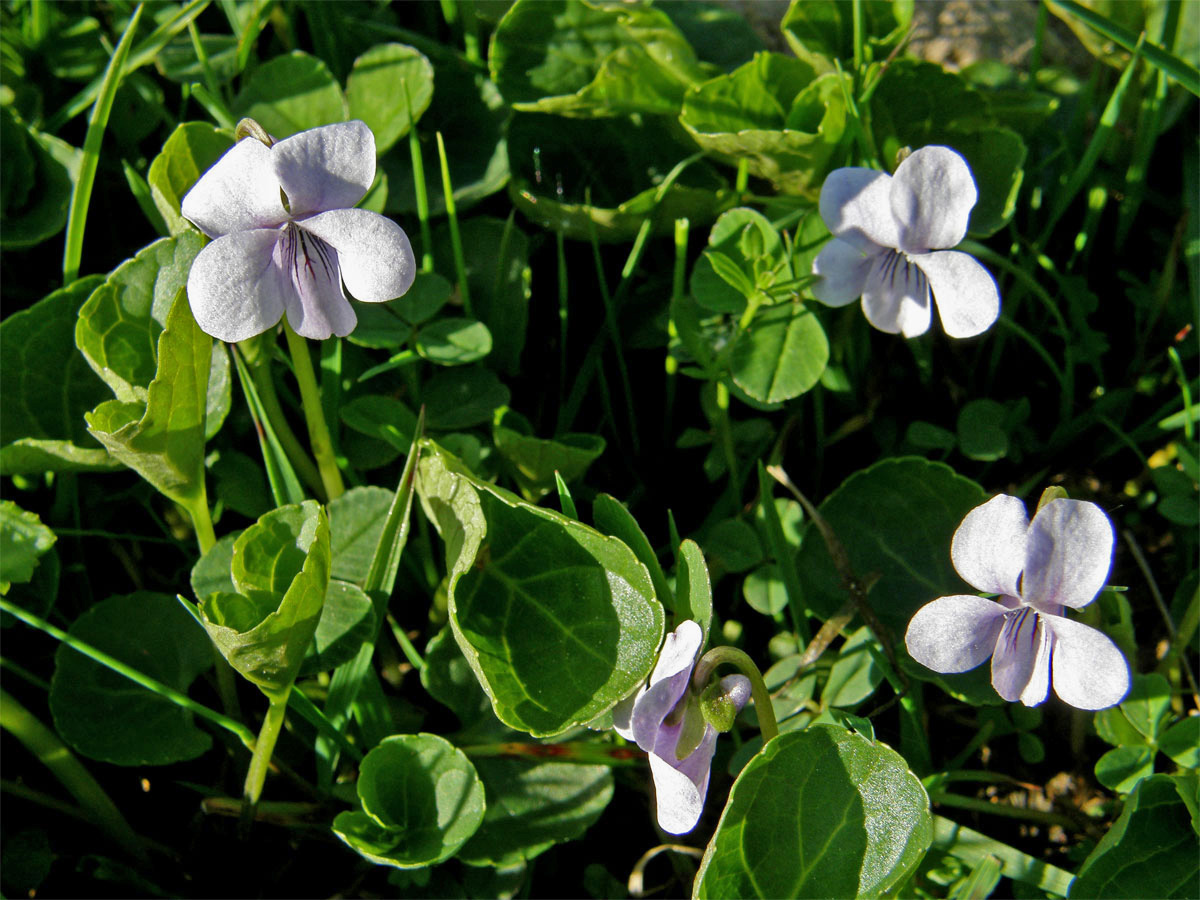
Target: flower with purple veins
{"type": "Point", "coordinates": [1061, 559]}
{"type": "Point", "coordinates": [287, 237]}
{"type": "Point", "coordinates": [891, 235]}
{"type": "Point", "coordinates": [662, 718]}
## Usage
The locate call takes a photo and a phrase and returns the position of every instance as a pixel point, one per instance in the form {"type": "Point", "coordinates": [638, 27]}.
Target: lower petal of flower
{"type": "Point", "coordinates": [235, 288]}
{"type": "Point", "coordinates": [1018, 653]}
{"type": "Point", "coordinates": [968, 301]}
{"type": "Point", "coordinates": [316, 307]}
{"type": "Point", "coordinates": [896, 296]}
{"type": "Point", "coordinates": [680, 786]}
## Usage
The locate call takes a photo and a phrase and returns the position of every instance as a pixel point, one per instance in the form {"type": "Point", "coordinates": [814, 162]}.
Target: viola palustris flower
{"type": "Point", "coordinates": [665, 720]}
{"type": "Point", "coordinates": [287, 236]}
{"type": "Point", "coordinates": [1038, 569]}
{"type": "Point", "coordinates": [891, 235]}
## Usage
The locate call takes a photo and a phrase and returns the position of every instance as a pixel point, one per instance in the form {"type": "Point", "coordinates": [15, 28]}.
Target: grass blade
{"type": "Point", "coordinates": [81, 194]}
{"type": "Point", "coordinates": [1175, 67]}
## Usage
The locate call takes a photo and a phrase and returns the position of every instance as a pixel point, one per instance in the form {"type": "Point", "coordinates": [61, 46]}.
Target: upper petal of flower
{"type": "Point", "coordinates": [376, 257]}
{"type": "Point", "coordinates": [932, 194]}
{"type": "Point", "coordinates": [896, 296]}
{"type": "Point", "coordinates": [681, 786]}
{"type": "Point", "coordinates": [330, 167]}
{"type": "Point", "coordinates": [955, 633]}
{"type": "Point", "coordinates": [843, 268]}
{"type": "Point", "coordinates": [316, 305]}
{"type": "Point", "coordinates": [1069, 554]}
{"type": "Point", "coordinates": [238, 193]}
{"type": "Point", "coordinates": [1019, 652]}
{"type": "Point", "coordinates": [668, 682]}
{"type": "Point", "coordinates": [989, 547]}
{"type": "Point", "coordinates": [235, 288]}
{"type": "Point", "coordinates": [1089, 671]}
{"type": "Point", "coordinates": [856, 207]}
{"type": "Point", "coordinates": [968, 301]}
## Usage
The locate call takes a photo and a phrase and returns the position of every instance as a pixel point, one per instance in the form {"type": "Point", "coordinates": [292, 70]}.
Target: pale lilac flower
{"type": "Point", "coordinates": [651, 719]}
{"type": "Point", "coordinates": [288, 237]}
{"type": "Point", "coordinates": [1038, 569]}
{"type": "Point", "coordinates": [891, 235]}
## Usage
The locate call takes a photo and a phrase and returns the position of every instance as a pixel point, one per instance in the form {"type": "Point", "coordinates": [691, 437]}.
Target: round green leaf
{"type": "Point", "coordinates": [291, 93]}
{"type": "Point", "coordinates": [1181, 742]}
{"type": "Point", "coordinates": [764, 591]}
{"type": "Point", "coordinates": [744, 236]}
{"type": "Point", "coordinates": [818, 813]}
{"type": "Point", "coordinates": [461, 398]}
{"type": "Point", "coordinates": [981, 430]}
{"type": "Point", "coordinates": [454, 342]}
{"type": "Point", "coordinates": [1122, 767]}
{"type": "Point", "coordinates": [106, 716]}
{"type": "Point", "coordinates": [389, 88]}
{"type": "Point", "coordinates": [781, 354]}
{"type": "Point", "coordinates": [421, 801]}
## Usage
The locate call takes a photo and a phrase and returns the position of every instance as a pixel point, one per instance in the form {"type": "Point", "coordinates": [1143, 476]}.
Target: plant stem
{"type": "Point", "coordinates": [55, 756]}
{"type": "Point", "coordinates": [256, 776]}
{"type": "Point", "coordinates": [758, 688]}
{"type": "Point", "coordinates": [310, 399]}
{"type": "Point", "coordinates": [296, 454]}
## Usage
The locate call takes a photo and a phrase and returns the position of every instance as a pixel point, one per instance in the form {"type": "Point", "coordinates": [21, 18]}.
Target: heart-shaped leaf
{"type": "Point", "coordinates": [818, 813]}
{"type": "Point", "coordinates": [421, 800]}
{"type": "Point", "coordinates": [106, 716]}
{"type": "Point", "coordinates": [557, 621]}
{"type": "Point", "coordinates": [280, 569]}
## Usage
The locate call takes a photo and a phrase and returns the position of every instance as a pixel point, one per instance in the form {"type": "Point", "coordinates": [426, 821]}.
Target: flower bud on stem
{"type": "Point", "coordinates": [762, 699]}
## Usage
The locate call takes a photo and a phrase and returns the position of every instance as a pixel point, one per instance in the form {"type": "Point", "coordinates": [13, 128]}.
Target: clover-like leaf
{"type": "Point", "coordinates": [421, 800]}
{"type": "Point", "coordinates": [557, 621]}
{"type": "Point", "coordinates": [23, 538]}
{"type": "Point", "coordinates": [533, 461]}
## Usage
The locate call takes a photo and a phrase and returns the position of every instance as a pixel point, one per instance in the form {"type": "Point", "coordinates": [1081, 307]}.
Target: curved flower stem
{"type": "Point", "coordinates": [318, 431]}
{"type": "Point", "coordinates": [256, 776]}
{"type": "Point", "coordinates": [758, 688]}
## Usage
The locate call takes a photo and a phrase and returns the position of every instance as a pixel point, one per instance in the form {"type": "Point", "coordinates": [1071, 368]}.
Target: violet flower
{"type": "Point", "coordinates": [658, 716]}
{"type": "Point", "coordinates": [287, 237]}
{"type": "Point", "coordinates": [1038, 569]}
{"type": "Point", "coordinates": [890, 240]}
